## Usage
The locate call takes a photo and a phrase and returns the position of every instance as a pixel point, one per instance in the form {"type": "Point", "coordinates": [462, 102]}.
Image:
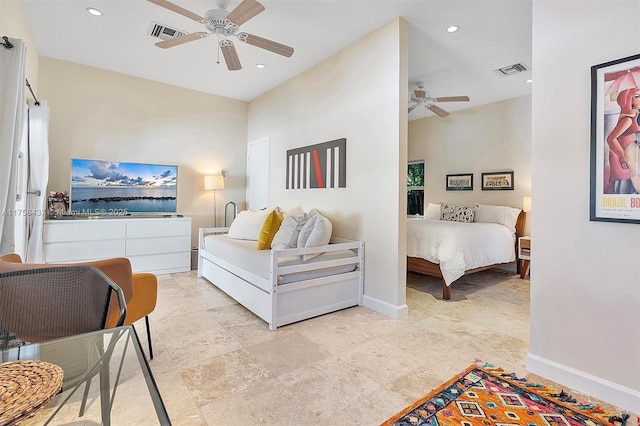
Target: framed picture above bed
{"type": "Point", "coordinates": [497, 181]}
{"type": "Point", "coordinates": [615, 142]}
{"type": "Point", "coordinates": [460, 182]}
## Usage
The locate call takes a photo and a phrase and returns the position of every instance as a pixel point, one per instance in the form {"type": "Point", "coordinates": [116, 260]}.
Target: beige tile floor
{"type": "Point", "coordinates": [355, 366]}
{"type": "Point", "coordinates": [217, 364]}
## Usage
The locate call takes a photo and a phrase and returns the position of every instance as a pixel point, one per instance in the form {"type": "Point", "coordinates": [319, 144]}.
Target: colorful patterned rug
{"type": "Point", "coordinates": [487, 396]}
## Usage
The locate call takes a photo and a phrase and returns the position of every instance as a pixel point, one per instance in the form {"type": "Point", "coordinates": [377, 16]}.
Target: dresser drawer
{"type": "Point", "coordinates": [147, 228]}
{"type": "Point", "coordinates": [162, 263]}
{"type": "Point", "coordinates": [80, 251]}
{"type": "Point", "coordinates": [141, 246]}
{"type": "Point", "coordinates": [83, 230]}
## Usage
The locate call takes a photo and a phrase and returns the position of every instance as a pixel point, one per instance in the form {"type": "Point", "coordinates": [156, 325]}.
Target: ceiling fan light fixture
{"type": "Point", "coordinates": [452, 28]}
{"type": "Point", "coordinates": [420, 97]}
{"type": "Point", "coordinates": [93, 11]}
{"type": "Point", "coordinates": [223, 24]}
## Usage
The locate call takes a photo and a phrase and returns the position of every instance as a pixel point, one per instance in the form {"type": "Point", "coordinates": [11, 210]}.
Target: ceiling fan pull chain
{"type": "Point", "coordinates": [218, 49]}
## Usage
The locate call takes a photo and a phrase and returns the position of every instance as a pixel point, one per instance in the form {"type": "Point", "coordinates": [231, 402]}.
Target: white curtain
{"type": "Point", "coordinates": [20, 224]}
{"type": "Point", "coordinates": [13, 109]}
{"type": "Point", "coordinates": [37, 179]}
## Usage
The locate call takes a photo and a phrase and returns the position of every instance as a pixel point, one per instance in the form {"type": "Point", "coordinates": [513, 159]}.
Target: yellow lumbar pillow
{"type": "Point", "coordinates": [269, 228]}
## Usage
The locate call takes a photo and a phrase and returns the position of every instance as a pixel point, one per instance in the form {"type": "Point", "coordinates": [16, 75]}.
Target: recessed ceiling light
{"type": "Point", "coordinates": [453, 28]}
{"type": "Point", "coordinates": [260, 66]}
{"type": "Point", "coordinates": [94, 11]}
{"type": "Point", "coordinates": [529, 81]}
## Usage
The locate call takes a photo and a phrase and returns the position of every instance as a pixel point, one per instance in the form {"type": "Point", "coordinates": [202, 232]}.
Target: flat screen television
{"type": "Point", "coordinates": [108, 188]}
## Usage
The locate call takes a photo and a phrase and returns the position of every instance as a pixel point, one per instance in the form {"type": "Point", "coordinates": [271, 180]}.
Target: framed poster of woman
{"type": "Point", "coordinates": [615, 149]}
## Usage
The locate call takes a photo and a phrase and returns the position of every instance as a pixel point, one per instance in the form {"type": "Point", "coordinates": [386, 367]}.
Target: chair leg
{"type": "Point", "coordinates": [105, 396]}
{"type": "Point", "coordinates": [146, 321]}
{"type": "Point", "coordinates": [84, 397]}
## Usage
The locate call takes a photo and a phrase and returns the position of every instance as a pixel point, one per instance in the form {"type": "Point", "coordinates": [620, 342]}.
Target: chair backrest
{"type": "Point", "coordinates": [118, 269]}
{"type": "Point", "coordinates": [47, 303]}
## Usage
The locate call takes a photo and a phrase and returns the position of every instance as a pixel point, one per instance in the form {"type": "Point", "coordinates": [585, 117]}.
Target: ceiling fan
{"type": "Point", "coordinates": [419, 98]}
{"type": "Point", "coordinates": [224, 24]}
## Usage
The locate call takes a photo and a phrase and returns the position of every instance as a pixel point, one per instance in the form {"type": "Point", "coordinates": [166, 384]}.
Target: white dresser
{"type": "Point", "coordinates": [160, 245]}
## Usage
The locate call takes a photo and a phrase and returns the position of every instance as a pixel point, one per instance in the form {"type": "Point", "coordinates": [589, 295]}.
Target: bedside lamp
{"type": "Point", "coordinates": [213, 183]}
{"type": "Point", "coordinates": [526, 204]}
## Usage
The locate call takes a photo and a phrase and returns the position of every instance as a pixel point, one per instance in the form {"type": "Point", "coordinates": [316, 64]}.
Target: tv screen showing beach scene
{"type": "Point", "coordinates": [104, 188]}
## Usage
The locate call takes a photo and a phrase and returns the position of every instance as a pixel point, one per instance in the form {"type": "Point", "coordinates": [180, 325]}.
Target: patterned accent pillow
{"type": "Point", "coordinates": [457, 213]}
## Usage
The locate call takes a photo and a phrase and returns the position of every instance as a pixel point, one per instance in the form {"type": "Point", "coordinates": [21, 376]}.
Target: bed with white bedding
{"type": "Point", "coordinates": [450, 249]}
{"type": "Point", "coordinates": [277, 285]}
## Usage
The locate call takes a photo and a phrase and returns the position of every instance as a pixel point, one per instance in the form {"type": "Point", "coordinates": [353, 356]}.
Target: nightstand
{"type": "Point", "coordinates": [524, 255]}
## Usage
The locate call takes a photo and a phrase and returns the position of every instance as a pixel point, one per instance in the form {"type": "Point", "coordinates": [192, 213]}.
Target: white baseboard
{"type": "Point", "coordinates": [385, 308]}
{"type": "Point", "coordinates": [612, 393]}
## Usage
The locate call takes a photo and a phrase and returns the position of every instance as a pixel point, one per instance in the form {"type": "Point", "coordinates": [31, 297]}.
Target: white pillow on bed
{"type": "Point", "coordinates": [503, 215]}
{"type": "Point", "coordinates": [315, 233]}
{"type": "Point", "coordinates": [248, 224]}
{"type": "Point", "coordinates": [433, 211]}
{"type": "Point", "coordinates": [287, 235]}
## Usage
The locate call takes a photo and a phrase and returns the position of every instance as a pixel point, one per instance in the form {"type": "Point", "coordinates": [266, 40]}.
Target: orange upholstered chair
{"type": "Point", "coordinates": [140, 289]}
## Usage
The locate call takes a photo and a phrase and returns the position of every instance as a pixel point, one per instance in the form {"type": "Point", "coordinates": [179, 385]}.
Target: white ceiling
{"type": "Point", "coordinates": [493, 34]}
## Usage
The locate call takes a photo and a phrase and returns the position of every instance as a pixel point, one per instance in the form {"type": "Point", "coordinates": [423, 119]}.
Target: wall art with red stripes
{"type": "Point", "coordinates": [318, 166]}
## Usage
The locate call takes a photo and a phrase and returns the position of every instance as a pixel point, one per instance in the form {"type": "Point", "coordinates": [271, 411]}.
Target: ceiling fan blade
{"type": "Point", "coordinates": [420, 93]}
{"type": "Point", "coordinates": [181, 40]}
{"type": "Point", "coordinates": [244, 11]}
{"type": "Point", "coordinates": [453, 99]}
{"type": "Point", "coordinates": [412, 107]}
{"type": "Point", "coordinates": [439, 111]}
{"type": "Point", "coordinates": [263, 43]}
{"type": "Point", "coordinates": [230, 55]}
{"type": "Point", "coordinates": [177, 9]}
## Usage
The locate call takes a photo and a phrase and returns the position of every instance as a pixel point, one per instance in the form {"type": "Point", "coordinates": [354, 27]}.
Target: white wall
{"type": "Point", "coordinates": [585, 279]}
{"type": "Point", "coordinates": [14, 25]}
{"type": "Point", "coordinates": [103, 115]}
{"type": "Point", "coordinates": [358, 94]}
{"type": "Point", "coordinates": [488, 138]}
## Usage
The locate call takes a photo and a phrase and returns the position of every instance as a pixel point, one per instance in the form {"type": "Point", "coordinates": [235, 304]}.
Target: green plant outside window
{"type": "Point", "coordinates": [415, 188]}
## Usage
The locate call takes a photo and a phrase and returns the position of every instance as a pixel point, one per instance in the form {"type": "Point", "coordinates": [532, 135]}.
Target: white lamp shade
{"type": "Point", "coordinates": [211, 183]}
{"type": "Point", "coordinates": [526, 204]}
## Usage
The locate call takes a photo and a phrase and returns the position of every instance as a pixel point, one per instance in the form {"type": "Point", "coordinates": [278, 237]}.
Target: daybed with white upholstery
{"type": "Point", "coordinates": [289, 282]}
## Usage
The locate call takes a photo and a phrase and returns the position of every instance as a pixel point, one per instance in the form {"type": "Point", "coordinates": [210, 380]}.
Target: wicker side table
{"type": "Point", "coordinates": [25, 387]}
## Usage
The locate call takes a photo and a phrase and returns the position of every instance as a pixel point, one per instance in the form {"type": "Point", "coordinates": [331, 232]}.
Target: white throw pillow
{"type": "Point", "coordinates": [295, 210]}
{"type": "Point", "coordinates": [433, 211]}
{"type": "Point", "coordinates": [248, 224]}
{"type": "Point", "coordinates": [503, 215]}
{"type": "Point", "coordinates": [287, 235]}
{"type": "Point", "coordinates": [315, 233]}
{"type": "Point", "coordinates": [312, 212]}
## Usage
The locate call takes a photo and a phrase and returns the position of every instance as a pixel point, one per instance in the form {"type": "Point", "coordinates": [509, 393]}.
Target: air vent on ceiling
{"type": "Point", "coordinates": [164, 32]}
{"type": "Point", "coordinates": [511, 69]}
